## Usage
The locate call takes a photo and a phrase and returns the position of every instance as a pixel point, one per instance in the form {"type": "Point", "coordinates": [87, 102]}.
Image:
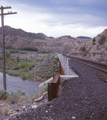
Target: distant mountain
{"type": "Point", "coordinates": [20, 38]}
{"type": "Point", "coordinates": [84, 37]}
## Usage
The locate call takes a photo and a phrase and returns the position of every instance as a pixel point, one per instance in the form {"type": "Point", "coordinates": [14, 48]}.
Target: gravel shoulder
{"type": "Point", "coordinates": [82, 98]}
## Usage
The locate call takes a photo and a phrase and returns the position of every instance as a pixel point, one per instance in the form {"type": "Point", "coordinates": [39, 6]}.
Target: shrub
{"type": "Point", "coordinates": [47, 76]}
{"type": "Point", "coordinates": [20, 92]}
{"type": "Point", "coordinates": [12, 98]}
{"type": "Point", "coordinates": [45, 87]}
{"type": "Point", "coordinates": [83, 48]}
{"type": "Point", "coordinates": [10, 62]}
{"type": "Point", "coordinates": [14, 51]}
{"type": "Point", "coordinates": [13, 72]}
{"type": "Point", "coordinates": [85, 54]}
{"type": "Point", "coordinates": [26, 75]}
{"type": "Point", "coordinates": [29, 49]}
{"type": "Point", "coordinates": [9, 47]}
{"type": "Point", "coordinates": [102, 40]}
{"type": "Point", "coordinates": [7, 54]}
{"type": "Point", "coordinates": [94, 40]}
{"type": "Point", "coordinates": [3, 95]}
{"type": "Point", "coordinates": [6, 110]}
{"type": "Point", "coordinates": [27, 65]}
{"type": "Point", "coordinates": [94, 54]}
{"type": "Point", "coordinates": [17, 58]}
{"type": "Point", "coordinates": [40, 52]}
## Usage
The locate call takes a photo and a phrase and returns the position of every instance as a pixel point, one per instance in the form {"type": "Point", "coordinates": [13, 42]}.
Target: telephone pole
{"type": "Point", "coordinates": [3, 41]}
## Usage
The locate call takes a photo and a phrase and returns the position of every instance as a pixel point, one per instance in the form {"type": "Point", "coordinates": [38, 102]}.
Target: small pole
{"type": "Point", "coordinates": [3, 42]}
{"type": "Point", "coordinates": [3, 47]}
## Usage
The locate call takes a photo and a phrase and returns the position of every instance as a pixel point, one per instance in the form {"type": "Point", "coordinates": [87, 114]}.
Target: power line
{"type": "Point", "coordinates": [3, 41]}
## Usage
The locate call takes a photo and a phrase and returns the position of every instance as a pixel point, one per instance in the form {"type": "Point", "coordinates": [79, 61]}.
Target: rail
{"type": "Point", "coordinates": [96, 65]}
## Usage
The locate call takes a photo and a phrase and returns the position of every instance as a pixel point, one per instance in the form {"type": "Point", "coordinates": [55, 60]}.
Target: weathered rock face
{"type": "Point", "coordinates": [95, 49]}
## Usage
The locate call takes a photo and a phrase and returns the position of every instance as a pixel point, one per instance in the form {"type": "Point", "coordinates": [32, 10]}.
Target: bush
{"type": "Point", "coordinates": [10, 62]}
{"type": "Point", "coordinates": [3, 95]}
{"type": "Point", "coordinates": [12, 98]}
{"type": "Point", "coordinates": [14, 51]}
{"type": "Point", "coordinates": [45, 87]}
{"type": "Point", "coordinates": [94, 40]}
{"type": "Point", "coordinates": [94, 54]}
{"type": "Point", "coordinates": [28, 49]}
{"type": "Point", "coordinates": [9, 47]}
{"type": "Point", "coordinates": [17, 59]}
{"type": "Point", "coordinates": [85, 53]}
{"type": "Point", "coordinates": [27, 65]}
{"type": "Point", "coordinates": [26, 75]}
{"type": "Point", "coordinates": [47, 76]}
{"type": "Point", "coordinates": [102, 40]}
{"type": "Point", "coordinates": [7, 54]}
{"type": "Point", "coordinates": [42, 52]}
{"type": "Point", "coordinates": [83, 48]}
{"type": "Point", "coordinates": [13, 72]}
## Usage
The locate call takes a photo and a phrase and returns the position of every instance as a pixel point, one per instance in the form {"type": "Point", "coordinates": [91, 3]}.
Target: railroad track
{"type": "Point", "coordinates": [93, 64]}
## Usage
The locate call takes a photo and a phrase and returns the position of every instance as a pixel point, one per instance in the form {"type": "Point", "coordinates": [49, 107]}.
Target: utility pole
{"type": "Point", "coordinates": [3, 41]}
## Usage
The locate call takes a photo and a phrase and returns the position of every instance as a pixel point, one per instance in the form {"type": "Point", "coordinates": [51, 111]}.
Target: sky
{"type": "Point", "coordinates": [57, 17]}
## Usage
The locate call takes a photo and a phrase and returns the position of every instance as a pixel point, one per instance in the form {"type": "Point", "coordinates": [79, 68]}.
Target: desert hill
{"type": "Point", "coordinates": [95, 49]}
{"type": "Point", "coordinates": [19, 38]}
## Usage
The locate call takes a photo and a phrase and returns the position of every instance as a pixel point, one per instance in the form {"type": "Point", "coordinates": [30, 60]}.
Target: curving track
{"type": "Point", "coordinates": [96, 65]}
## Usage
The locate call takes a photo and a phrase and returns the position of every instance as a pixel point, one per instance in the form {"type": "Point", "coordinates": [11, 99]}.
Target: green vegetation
{"type": "Point", "coordinates": [41, 66]}
{"type": "Point", "coordinates": [94, 41]}
{"type": "Point", "coordinates": [45, 87]}
{"type": "Point", "coordinates": [13, 72]}
{"type": "Point", "coordinates": [83, 49]}
{"type": "Point", "coordinates": [27, 65]}
{"type": "Point", "coordinates": [22, 69]}
{"type": "Point", "coordinates": [42, 52]}
{"type": "Point", "coordinates": [28, 48]}
{"type": "Point", "coordinates": [13, 98]}
{"type": "Point", "coordinates": [47, 69]}
{"type": "Point", "coordinates": [3, 95]}
{"type": "Point", "coordinates": [85, 53]}
{"type": "Point", "coordinates": [22, 48]}
{"type": "Point", "coordinates": [18, 67]}
{"type": "Point", "coordinates": [102, 40]}
{"type": "Point", "coordinates": [9, 47]}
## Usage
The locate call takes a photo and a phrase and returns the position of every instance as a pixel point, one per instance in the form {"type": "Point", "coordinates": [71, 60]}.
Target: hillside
{"type": "Point", "coordinates": [19, 38]}
{"type": "Point", "coordinates": [95, 49]}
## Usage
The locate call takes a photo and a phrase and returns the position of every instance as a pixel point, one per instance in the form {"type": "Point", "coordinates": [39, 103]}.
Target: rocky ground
{"type": "Point", "coordinates": [82, 98]}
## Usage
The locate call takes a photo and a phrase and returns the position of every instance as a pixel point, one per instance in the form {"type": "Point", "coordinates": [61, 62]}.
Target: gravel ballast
{"type": "Point", "coordinates": [82, 98]}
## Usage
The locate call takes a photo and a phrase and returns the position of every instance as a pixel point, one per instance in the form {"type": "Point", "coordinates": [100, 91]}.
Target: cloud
{"type": "Point", "coordinates": [57, 17]}
{"type": "Point", "coordinates": [60, 1]}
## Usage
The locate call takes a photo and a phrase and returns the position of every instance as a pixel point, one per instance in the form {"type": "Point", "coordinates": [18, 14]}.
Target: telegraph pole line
{"type": "Point", "coordinates": [3, 41]}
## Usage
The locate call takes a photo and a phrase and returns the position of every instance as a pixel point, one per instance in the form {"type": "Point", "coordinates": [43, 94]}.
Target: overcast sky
{"type": "Point", "coordinates": [58, 17]}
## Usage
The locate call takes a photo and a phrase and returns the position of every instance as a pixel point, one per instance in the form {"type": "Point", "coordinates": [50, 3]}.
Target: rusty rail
{"type": "Point", "coordinates": [53, 87]}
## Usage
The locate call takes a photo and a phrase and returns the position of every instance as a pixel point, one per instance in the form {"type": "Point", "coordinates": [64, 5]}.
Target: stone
{"type": "Point", "coordinates": [73, 117]}
{"type": "Point", "coordinates": [34, 106]}
{"type": "Point", "coordinates": [23, 107]}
